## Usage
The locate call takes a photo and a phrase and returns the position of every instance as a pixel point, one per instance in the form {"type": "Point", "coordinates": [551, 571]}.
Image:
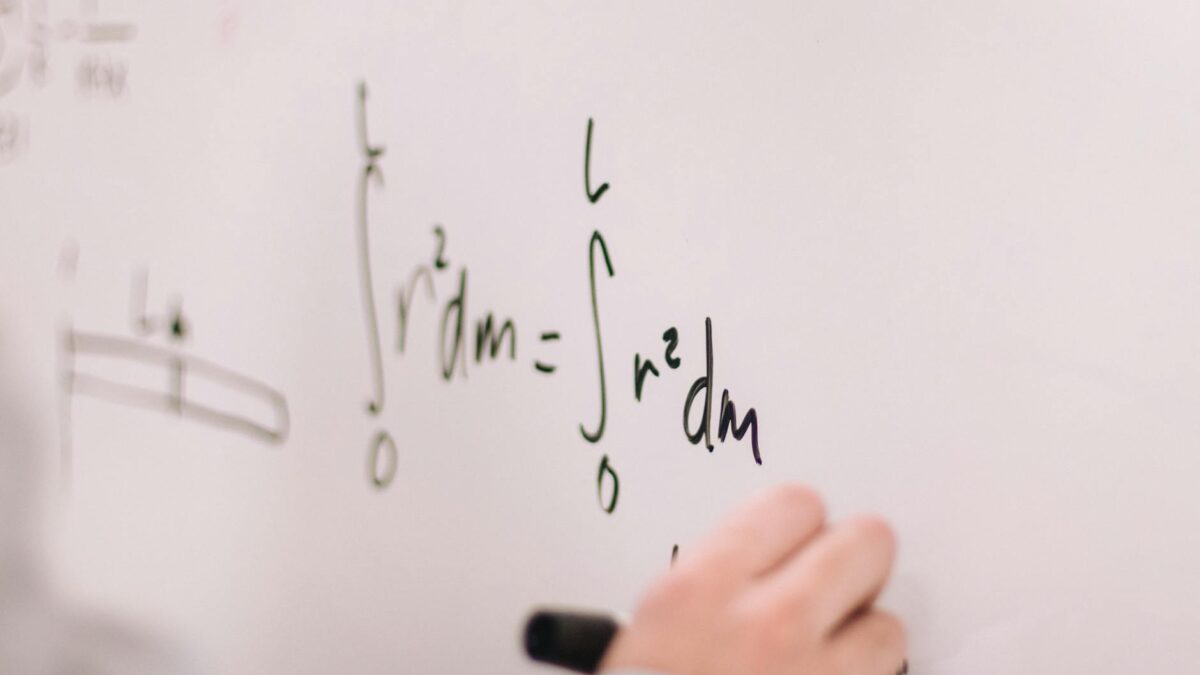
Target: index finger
{"type": "Point", "coordinates": [765, 532]}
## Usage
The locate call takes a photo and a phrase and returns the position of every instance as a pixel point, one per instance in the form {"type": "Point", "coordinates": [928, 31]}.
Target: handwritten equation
{"type": "Point", "coordinates": [467, 339]}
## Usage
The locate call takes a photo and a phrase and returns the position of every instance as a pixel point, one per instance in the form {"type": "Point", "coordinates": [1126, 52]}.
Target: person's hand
{"type": "Point", "coordinates": [774, 590]}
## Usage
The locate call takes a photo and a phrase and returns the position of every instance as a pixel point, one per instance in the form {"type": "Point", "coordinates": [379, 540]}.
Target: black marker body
{"type": "Point", "coordinates": [575, 641]}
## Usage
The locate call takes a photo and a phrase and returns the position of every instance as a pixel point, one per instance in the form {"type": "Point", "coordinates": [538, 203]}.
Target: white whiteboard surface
{"type": "Point", "coordinates": [950, 252]}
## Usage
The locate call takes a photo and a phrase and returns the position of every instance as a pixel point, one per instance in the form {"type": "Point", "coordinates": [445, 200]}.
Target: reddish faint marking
{"type": "Point", "coordinates": [228, 25]}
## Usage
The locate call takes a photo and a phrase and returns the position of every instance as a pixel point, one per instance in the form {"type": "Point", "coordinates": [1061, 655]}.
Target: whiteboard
{"type": "Point", "coordinates": [948, 253]}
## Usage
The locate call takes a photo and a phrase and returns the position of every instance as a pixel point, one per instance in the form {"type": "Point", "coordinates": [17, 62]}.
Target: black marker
{"type": "Point", "coordinates": [572, 640]}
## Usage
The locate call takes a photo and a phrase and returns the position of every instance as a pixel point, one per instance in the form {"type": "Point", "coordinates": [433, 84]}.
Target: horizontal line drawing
{"type": "Point", "coordinates": [178, 369]}
{"type": "Point", "coordinates": [109, 32]}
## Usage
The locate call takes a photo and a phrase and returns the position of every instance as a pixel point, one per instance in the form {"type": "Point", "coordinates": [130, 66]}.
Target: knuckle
{"type": "Point", "coordinates": [769, 635]}
{"type": "Point", "coordinates": [802, 596]}
{"type": "Point", "coordinates": [767, 626]}
{"type": "Point", "coordinates": [891, 635]}
{"type": "Point", "coordinates": [798, 498]}
{"type": "Point", "coordinates": [795, 607]}
{"type": "Point", "coordinates": [877, 531]}
{"type": "Point", "coordinates": [804, 607]}
{"type": "Point", "coordinates": [876, 638]}
{"type": "Point", "coordinates": [680, 584]}
{"type": "Point", "coordinates": [838, 667]}
{"type": "Point", "coordinates": [670, 592]}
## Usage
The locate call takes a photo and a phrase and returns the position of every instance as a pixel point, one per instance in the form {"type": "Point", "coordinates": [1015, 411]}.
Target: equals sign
{"type": "Point", "coordinates": [550, 336]}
